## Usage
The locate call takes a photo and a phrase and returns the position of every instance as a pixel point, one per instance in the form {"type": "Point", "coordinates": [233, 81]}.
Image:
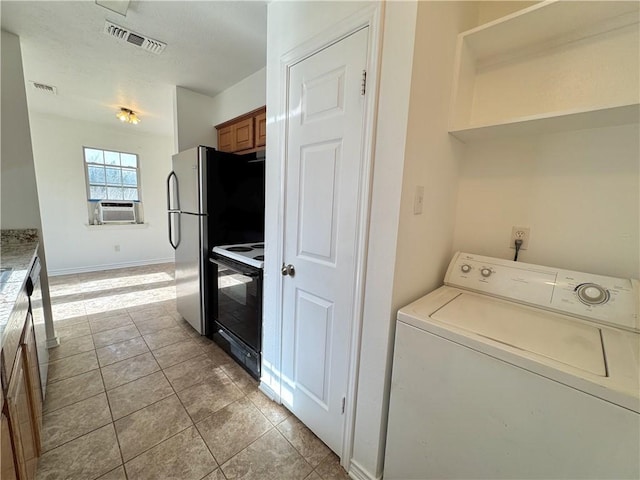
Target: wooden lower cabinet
{"type": "Point", "coordinates": [22, 418]}
{"type": "Point", "coordinates": [32, 370]}
{"type": "Point", "coordinates": [7, 454]}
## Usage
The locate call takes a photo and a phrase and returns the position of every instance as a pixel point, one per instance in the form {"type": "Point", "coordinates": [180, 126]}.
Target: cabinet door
{"type": "Point", "coordinates": [32, 371]}
{"type": "Point", "coordinates": [19, 408]}
{"type": "Point", "coordinates": [261, 129]}
{"type": "Point", "coordinates": [243, 134]}
{"type": "Point", "coordinates": [225, 139]}
{"type": "Point", "coordinates": [7, 459]}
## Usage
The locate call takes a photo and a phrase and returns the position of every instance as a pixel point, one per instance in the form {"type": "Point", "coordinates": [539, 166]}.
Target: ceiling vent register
{"type": "Point", "coordinates": [41, 87]}
{"type": "Point", "coordinates": [140, 41]}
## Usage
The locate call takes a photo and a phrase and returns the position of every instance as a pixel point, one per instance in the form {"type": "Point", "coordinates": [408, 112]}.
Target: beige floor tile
{"type": "Point", "coordinates": [165, 337]}
{"type": "Point", "coordinates": [117, 474]}
{"type": "Point", "coordinates": [115, 335]}
{"type": "Point", "coordinates": [183, 456]}
{"type": "Point", "coordinates": [189, 372]}
{"type": "Point", "coordinates": [215, 475]}
{"type": "Point", "coordinates": [213, 351]}
{"type": "Point", "coordinates": [233, 428]}
{"type": "Point", "coordinates": [330, 468]}
{"type": "Point", "coordinates": [240, 377]}
{"type": "Point", "coordinates": [72, 390]}
{"type": "Point", "coordinates": [74, 420]}
{"type": "Point", "coordinates": [148, 427]}
{"type": "Point", "coordinates": [160, 323]}
{"type": "Point", "coordinates": [79, 329]}
{"type": "Point", "coordinates": [102, 324]}
{"type": "Point", "coordinates": [138, 394]}
{"type": "Point", "coordinates": [177, 353]}
{"type": "Point", "coordinates": [216, 392]}
{"type": "Point", "coordinates": [150, 312]}
{"type": "Point", "coordinates": [274, 412]}
{"type": "Point", "coordinates": [72, 366]}
{"type": "Point", "coordinates": [313, 476]}
{"type": "Point", "coordinates": [310, 447]}
{"type": "Point", "coordinates": [271, 457]}
{"type": "Point", "coordinates": [121, 351]}
{"type": "Point", "coordinates": [67, 322]}
{"type": "Point", "coordinates": [71, 346]}
{"type": "Point", "coordinates": [68, 310]}
{"type": "Point", "coordinates": [115, 312]}
{"type": "Point", "coordinates": [128, 370]}
{"type": "Point", "coordinates": [101, 305]}
{"type": "Point", "coordinates": [84, 458]}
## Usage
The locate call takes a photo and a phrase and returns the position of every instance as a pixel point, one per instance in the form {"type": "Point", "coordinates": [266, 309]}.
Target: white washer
{"type": "Point", "coordinates": [516, 371]}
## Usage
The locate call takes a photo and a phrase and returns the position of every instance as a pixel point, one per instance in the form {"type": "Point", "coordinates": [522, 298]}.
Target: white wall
{"type": "Point", "coordinates": [246, 95]}
{"type": "Point", "coordinates": [193, 120]}
{"type": "Point", "coordinates": [19, 191]}
{"type": "Point", "coordinates": [432, 155]}
{"type": "Point", "coordinates": [578, 191]}
{"type": "Point", "coordinates": [72, 246]}
{"type": "Point", "coordinates": [196, 115]}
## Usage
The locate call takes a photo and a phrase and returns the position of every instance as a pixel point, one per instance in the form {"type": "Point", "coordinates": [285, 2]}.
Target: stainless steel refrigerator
{"type": "Point", "coordinates": [213, 198]}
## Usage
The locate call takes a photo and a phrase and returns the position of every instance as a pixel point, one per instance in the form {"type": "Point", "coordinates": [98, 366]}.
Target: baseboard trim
{"type": "Point", "coordinates": [269, 392]}
{"type": "Point", "coordinates": [109, 266]}
{"type": "Point", "coordinates": [357, 472]}
{"type": "Point", "coordinates": [53, 342]}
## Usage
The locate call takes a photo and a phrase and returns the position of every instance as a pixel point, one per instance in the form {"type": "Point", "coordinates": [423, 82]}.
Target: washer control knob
{"type": "Point", "coordinates": [465, 268]}
{"type": "Point", "coordinates": [486, 272]}
{"type": "Point", "coordinates": [592, 294]}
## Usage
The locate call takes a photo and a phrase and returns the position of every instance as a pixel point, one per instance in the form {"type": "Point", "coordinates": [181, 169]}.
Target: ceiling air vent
{"type": "Point", "coordinates": [140, 41]}
{"type": "Point", "coordinates": [41, 87]}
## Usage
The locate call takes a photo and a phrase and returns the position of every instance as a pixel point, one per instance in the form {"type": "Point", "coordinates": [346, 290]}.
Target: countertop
{"type": "Point", "coordinates": [18, 248]}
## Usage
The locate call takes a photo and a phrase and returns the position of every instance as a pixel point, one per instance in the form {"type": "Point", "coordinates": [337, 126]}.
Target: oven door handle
{"type": "Point", "coordinates": [235, 269]}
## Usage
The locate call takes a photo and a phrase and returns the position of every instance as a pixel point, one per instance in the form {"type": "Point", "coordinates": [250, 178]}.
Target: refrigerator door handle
{"type": "Point", "coordinates": [171, 211]}
{"type": "Point", "coordinates": [170, 222]}
{"type": "Point", "coordinates": [175, 177]}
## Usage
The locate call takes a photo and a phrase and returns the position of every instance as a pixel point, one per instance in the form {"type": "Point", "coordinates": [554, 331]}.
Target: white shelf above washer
{"type": "Point", "coordinates": [555, 66]}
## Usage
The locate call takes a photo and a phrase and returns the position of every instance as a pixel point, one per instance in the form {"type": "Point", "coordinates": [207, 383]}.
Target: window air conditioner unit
{"type": "Point", "coordinates": [117, 212]}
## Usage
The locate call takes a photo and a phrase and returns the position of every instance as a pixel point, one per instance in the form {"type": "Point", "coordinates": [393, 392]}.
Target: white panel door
{"type": "Point", "coordinates": [323, 181]}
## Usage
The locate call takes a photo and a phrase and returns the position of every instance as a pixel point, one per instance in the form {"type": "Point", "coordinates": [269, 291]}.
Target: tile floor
{"type": "Point", "coordinates": [134, 392]}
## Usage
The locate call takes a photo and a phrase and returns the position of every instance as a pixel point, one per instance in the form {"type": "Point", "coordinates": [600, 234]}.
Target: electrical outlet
{"type": "Point", "coordinates": [521, 233]}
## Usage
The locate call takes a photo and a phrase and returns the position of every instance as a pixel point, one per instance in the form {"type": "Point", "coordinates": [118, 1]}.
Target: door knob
{"type": "Point", "coordinates": [288, 270]}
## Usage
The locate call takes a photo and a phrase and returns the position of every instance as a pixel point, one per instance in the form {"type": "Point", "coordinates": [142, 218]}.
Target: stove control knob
{"type": "Point", "coordinates": [592, 294]}
{"type": "Point", "coordinates": [465, 268]}
{"type": "Point", "coordinates": [486, 272]}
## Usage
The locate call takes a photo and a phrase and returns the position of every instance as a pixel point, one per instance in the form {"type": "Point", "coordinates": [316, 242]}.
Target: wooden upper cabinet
{"type": "Point", "coordinates": [225, 139]}
{"type": "Point", "coordinates": [261, 129]}
{"type": "Point", "coordinates": [244, 134]}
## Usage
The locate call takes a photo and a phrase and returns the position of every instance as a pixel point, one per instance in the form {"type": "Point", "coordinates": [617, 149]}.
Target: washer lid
{"type": "Point", "coordinates": [570, 342]}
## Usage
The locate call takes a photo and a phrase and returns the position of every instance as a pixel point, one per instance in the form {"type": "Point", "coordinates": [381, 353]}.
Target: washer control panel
{"type": "Point", "coordinates": [608, 300]}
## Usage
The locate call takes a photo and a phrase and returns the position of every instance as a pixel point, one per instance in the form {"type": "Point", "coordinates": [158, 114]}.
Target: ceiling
{"type": "Point", "coordinates": [211, 45]}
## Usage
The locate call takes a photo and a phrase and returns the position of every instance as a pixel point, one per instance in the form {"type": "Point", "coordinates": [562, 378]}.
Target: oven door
{"type": "Point", "coordinates": [239, 301]}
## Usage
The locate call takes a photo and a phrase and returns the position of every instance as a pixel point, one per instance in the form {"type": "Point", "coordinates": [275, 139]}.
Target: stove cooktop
{"type": "Point", "coordinates": [248, 253]}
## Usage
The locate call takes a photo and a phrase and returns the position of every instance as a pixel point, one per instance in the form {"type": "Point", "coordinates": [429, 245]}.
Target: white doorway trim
{"type": "Point", "coordinates": [370, 16]}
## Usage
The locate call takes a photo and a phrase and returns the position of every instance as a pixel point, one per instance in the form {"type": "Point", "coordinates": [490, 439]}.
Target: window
{"type": "Point", "coordinates": [111, 175]}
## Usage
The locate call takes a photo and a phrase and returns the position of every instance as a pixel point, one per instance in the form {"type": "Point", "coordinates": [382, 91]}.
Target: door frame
{"type": "Point", "coordinates": [370, 16]}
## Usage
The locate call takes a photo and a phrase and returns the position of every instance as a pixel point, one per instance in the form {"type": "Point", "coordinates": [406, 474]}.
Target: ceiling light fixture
{"type": "Point", "coordinates": [128, 116]}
